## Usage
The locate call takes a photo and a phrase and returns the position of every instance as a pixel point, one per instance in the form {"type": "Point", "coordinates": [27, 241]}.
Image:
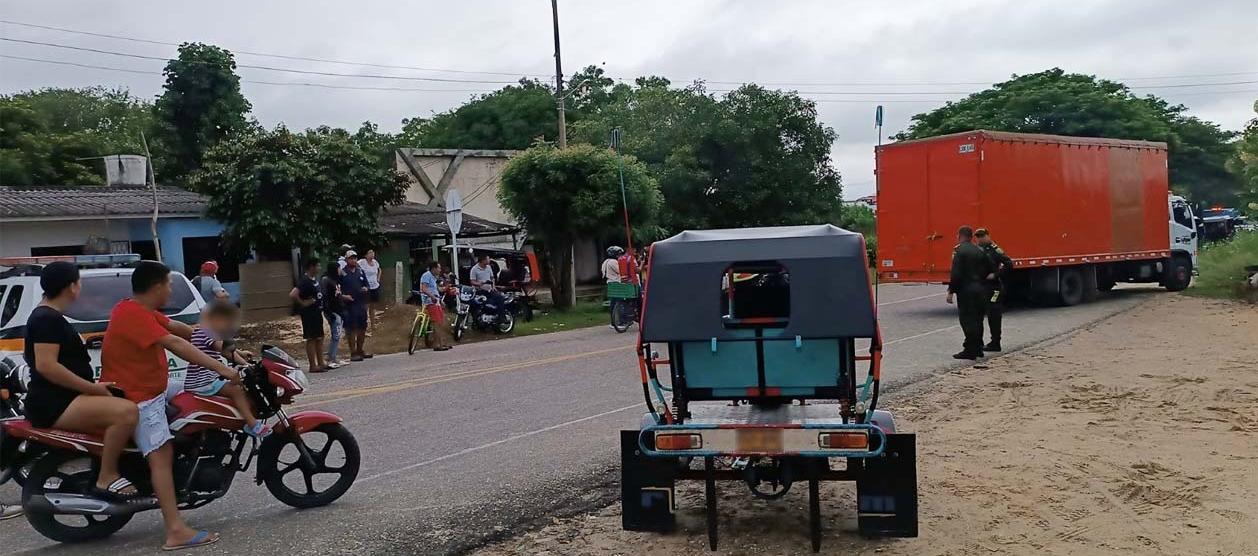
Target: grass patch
{"type": "Point", "coordinates": [1221, 268]}
{"type": "Point", "coordinates": [549, 319]}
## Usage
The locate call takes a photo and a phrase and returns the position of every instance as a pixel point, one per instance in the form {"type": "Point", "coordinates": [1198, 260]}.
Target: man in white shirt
{"type": "Point", "coordinates": [611, 265]}
{"type": "Point", "coordinates": [482, 276]}
{"type": "Point", "coordinates": [371, 267]}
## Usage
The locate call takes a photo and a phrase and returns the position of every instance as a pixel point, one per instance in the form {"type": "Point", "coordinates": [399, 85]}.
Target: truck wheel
{"type": "Point", "coordinates": [1178, 274]}
{"type": "Point", "coordinates": [1070, 287]}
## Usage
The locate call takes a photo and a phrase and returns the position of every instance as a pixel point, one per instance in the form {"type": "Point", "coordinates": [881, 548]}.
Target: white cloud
{"type": "Point", "coordinates": [818, 41]}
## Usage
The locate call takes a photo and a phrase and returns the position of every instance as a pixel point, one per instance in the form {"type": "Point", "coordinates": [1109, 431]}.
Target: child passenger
{"type": "Point", "coordinates": [219, 321]}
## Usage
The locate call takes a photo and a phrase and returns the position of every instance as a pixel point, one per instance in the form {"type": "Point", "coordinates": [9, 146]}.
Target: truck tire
{"type": "Point", "coordinates": [1178, 274]}
{"type": "Point", "coordinates": [1070, 287]}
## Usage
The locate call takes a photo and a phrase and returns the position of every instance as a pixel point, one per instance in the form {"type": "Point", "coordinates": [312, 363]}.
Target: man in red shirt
{"type": "Point", "coordinates": [133, 357]}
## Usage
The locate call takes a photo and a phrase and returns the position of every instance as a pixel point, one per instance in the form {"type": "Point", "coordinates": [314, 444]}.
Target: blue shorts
{"type": "Point", "coordinates": [356, 316]}
{"type": "Point", "coordinates": [212, 388]}
{"type": "Point", "coordinates": [152, 431]}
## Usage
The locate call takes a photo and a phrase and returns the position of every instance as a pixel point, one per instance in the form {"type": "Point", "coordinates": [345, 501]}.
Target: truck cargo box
{"type": "Point", "coordinates": [1048, 200]}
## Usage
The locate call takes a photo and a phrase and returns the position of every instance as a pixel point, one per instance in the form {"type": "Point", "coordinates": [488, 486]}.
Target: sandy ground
{"type": "Point", "coordinates": [1133, 436]}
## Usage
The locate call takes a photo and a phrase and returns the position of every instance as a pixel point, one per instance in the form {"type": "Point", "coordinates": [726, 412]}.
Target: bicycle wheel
{"type": "Point", "coordinates": [417, 332]}
{"type": "Point", "coordinates": [621, 319]}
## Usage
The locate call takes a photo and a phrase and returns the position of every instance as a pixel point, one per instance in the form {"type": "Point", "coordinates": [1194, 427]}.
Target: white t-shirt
{"type": "Point", "coordinates": [485, 275]}
{"type": "Point", "coordinates": [611, 270]}
{"type": "Point", "coordinates": [372, 270]}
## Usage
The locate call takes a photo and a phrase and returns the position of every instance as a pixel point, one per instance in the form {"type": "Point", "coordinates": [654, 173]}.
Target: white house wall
{"type": "Point", "coordinates": [476, 179]}
{"type": "Point", "coordinates": [17, 238]}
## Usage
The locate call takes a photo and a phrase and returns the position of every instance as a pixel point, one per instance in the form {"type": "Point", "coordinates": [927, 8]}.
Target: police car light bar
{"type": "Point", "coordinates": [80, 260]}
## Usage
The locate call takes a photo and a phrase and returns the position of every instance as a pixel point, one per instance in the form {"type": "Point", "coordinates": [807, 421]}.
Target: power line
{"type": "Point", "coordinates": [265, 68]}
{"type": "Point", "coordinates": [252, 81]}
{"type": "Point", "coordinates": [265, 54]}
{"type": "Point", "coordinates": [524, 74]}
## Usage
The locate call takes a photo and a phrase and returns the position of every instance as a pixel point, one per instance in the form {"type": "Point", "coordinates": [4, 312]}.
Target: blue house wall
{"type": "Point", "coordinates": [171, 232]}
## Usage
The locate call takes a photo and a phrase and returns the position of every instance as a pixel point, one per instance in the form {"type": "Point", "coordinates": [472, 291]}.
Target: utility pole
{"type": "Point", "coordinates": [152, 179]}
{"type": "Point", "coordinates": [563, 127]}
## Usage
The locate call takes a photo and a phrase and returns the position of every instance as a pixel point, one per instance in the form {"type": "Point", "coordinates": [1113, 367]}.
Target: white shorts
{"type": "Point", "coordinates": [152, 430]}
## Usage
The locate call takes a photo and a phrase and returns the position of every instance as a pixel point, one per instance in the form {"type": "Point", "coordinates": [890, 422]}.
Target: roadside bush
{"type": "Point", "coordinates": [1222, 268]}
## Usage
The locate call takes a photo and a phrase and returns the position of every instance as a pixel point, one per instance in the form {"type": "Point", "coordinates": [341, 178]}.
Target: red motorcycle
{"type": "Point", "coordinates": [310, 459]}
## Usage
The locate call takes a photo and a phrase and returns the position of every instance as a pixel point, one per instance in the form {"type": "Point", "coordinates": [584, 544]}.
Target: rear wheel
{"type": "Point", "coordinates": [1070, 287]}
{"type": "Point", "coordinates": [291, 481]}
{"type": "Point", "coordinates": [70, 474]}
{"type": "Point", "coordinates": [621, 315]}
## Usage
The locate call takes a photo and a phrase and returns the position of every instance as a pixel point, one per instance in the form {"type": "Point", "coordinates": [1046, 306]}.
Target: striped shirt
{"type": "Point", "coordinates": [198, 376]}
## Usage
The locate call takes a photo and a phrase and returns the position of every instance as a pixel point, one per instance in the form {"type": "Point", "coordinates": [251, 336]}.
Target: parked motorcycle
{"type": "Point", "coordinates": [310, 459]}
{"type": "Point", "coordinates": [11, 389]}
{"type": "Point", "coordinates": [476, 309]}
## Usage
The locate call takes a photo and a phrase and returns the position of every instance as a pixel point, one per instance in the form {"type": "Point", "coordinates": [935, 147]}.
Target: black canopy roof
{"type": "Point", "coordinates": [829, 282]}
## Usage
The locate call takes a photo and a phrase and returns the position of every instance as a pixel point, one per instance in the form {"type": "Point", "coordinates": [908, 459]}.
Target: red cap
{"type": "Point", "coordinates": [209, 267]}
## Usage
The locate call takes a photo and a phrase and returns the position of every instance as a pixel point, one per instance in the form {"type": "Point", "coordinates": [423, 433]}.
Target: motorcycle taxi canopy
{"type": "Point", "coordinates": [688, 291]}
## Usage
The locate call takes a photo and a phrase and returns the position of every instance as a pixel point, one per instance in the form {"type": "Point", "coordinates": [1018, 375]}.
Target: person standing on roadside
{"type": "Point", "coordinates": [333, 311]}
{"type": "Point", "coordinates": [207, 282]}
{"type": "Point", "coordinates": [968, 283]}
{"type": "Point", "coordinates": [354, 291]}
{"type": "Point", "coordinates": [430, 296]}
{"type": "Point", "coordinates": [611, 265]}
{"type": "Point", "coordinates": [371, 268]}
{"type": "Point", "coordinates": [309, 299]}
{"type": "Point", "coordinates": [1001, 264]}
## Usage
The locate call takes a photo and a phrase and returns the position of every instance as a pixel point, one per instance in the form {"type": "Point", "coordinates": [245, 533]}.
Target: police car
{"type": "Point", "coordinates": [105, 280]}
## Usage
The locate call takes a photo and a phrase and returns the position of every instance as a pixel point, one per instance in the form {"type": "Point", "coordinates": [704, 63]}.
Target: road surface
{"type": "Point", "coordinates": [474, 444]}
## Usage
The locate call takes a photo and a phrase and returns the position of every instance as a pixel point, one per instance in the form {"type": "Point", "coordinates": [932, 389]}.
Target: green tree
{"type": "Point", "coordinates": [53, 136]}
{"type": "Point", "coordinates": [1245, 164]}
{"type": "Point", "coordinates": [274, 190]}
{"type": "Point", "coordinates": [563, 195]}
{"type": "Point", "coordinates": [756, 157]}
{"type": "Point", "coordinates": [1061, 103]}
{"type": "Point", "coordinates": [513, 117]}
{"type": "Point", "coordinates": [201, 105]}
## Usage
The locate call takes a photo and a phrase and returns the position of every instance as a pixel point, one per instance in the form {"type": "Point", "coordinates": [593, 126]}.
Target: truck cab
{"type": "Point", "coordinates": [1183, 228]}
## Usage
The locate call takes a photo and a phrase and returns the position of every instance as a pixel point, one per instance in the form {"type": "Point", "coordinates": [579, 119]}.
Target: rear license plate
{"type": "Point", "coordinates": [759, 440]}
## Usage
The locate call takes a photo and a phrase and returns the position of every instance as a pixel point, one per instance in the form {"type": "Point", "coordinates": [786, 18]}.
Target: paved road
{"type": "Point", "coordinates": [469, 445]}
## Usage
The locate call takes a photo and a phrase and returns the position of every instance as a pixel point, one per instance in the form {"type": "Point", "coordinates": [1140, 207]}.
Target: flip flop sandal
{"type": "Point", "coordinates": [114, 493]}
{"type": "Point", "coordinates": [202, 538]}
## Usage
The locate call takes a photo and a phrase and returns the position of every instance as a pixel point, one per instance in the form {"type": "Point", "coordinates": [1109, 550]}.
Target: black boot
{"type": "Point", "coordinates": [965, 355]}
{"type": "Point", "coordinates": [993, 345]}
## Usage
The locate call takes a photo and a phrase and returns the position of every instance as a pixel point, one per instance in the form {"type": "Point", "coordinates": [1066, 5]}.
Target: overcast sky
{"type": "Point", "coordinates": [871, 52]}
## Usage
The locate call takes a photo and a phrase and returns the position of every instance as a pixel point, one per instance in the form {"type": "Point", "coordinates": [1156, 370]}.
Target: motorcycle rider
{"type": "Point", "coordinates": [62, 393]}
{"type": "Point", "coordinates": [134, 357]}
{"type": "Point", "coordinates": [611, 265]}
{"type": "Point", "coordinates": [482, 276]}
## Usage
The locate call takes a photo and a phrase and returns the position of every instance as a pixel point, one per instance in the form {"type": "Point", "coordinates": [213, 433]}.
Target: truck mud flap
{"type": "Point", "coordinates": [886, 491]}
{"type": "Point", "coordinates": [647, 491]}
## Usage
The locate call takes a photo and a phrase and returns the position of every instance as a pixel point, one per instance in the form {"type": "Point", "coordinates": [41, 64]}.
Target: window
{"type": "Point", "coordinates": [57, 251]}
{"type": "Point", "coordinates": [11, 304]}
{"type": "Point", "coordinates": [1182, 215]}
{"type": "Point", "coordinates": [197, 250]}
{"type": "Point", "coordinates": [101, 292]}
{"type": "Point", "coordinates": [756, 293]}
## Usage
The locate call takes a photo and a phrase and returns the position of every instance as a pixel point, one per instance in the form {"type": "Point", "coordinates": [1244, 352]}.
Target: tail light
{"type": "Point", "coordinates": [678, 442]}
{"type": "Point", "coordinates": [848, 440]}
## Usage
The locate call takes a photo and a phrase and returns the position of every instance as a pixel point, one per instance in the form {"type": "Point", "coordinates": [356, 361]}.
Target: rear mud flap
{"type": "Point", "coordinates": [646, 488]}
{"type": "Point", "coordinates": [886, 492]}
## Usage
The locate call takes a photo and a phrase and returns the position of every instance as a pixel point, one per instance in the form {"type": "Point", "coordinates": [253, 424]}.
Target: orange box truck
{"type": "Point", "coordinates": [1076, 214]}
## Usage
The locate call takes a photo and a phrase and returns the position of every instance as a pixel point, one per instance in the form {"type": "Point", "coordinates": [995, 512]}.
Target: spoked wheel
{"type": "Point", "coordinates": [417, 332]}
{"type": "Point", "coordinates": [622, 315]}
{"type": "Point", "coordinates": [70, 474]}
{"type": "Point", "coordinates": [293, 482]}
{"type": "Point", "coordinates": [460, 322]}
{"type": "Point", "coordinates": [506, 323]}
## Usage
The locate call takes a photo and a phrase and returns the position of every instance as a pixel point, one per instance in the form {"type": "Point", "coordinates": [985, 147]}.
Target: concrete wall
{"type": "Point", "coordinates": [476, 179]}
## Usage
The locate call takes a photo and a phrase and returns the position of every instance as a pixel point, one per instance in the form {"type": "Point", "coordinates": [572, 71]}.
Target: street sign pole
{"type": "Point", "coordinates": [454, 219]}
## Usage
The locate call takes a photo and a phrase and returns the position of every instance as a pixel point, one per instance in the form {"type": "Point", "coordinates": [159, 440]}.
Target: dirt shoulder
{"type": "Point", "coordinates": [1135, 435]}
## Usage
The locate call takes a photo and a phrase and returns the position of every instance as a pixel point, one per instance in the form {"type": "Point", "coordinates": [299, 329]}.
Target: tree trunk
{"type": "Point", "coordinates": [563, 285]}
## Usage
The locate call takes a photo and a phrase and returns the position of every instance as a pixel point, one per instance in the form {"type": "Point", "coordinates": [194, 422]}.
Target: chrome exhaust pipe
{"type": "Point", "coordinates": [77, 504]}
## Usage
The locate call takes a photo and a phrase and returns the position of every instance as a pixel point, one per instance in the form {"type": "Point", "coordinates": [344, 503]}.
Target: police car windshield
{"type": "Point", "coordinates": [101, 292]}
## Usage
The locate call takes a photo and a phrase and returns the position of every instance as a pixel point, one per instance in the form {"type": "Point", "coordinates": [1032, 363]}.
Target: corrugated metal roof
{"type": "Point", "coordinates": [58, 202]}
{"type": "Point", "coordinates": [414, 219]}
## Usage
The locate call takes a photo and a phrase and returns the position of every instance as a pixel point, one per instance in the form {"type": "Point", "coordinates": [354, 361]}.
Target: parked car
{"type": "Point", "coordinates": [106, 280]}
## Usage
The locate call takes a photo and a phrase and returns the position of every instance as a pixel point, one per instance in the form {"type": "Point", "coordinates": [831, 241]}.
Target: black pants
{"type": "Point", "coordinates": [995, 312]}
{"type": "Point", "coordinates": [971, 308]}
